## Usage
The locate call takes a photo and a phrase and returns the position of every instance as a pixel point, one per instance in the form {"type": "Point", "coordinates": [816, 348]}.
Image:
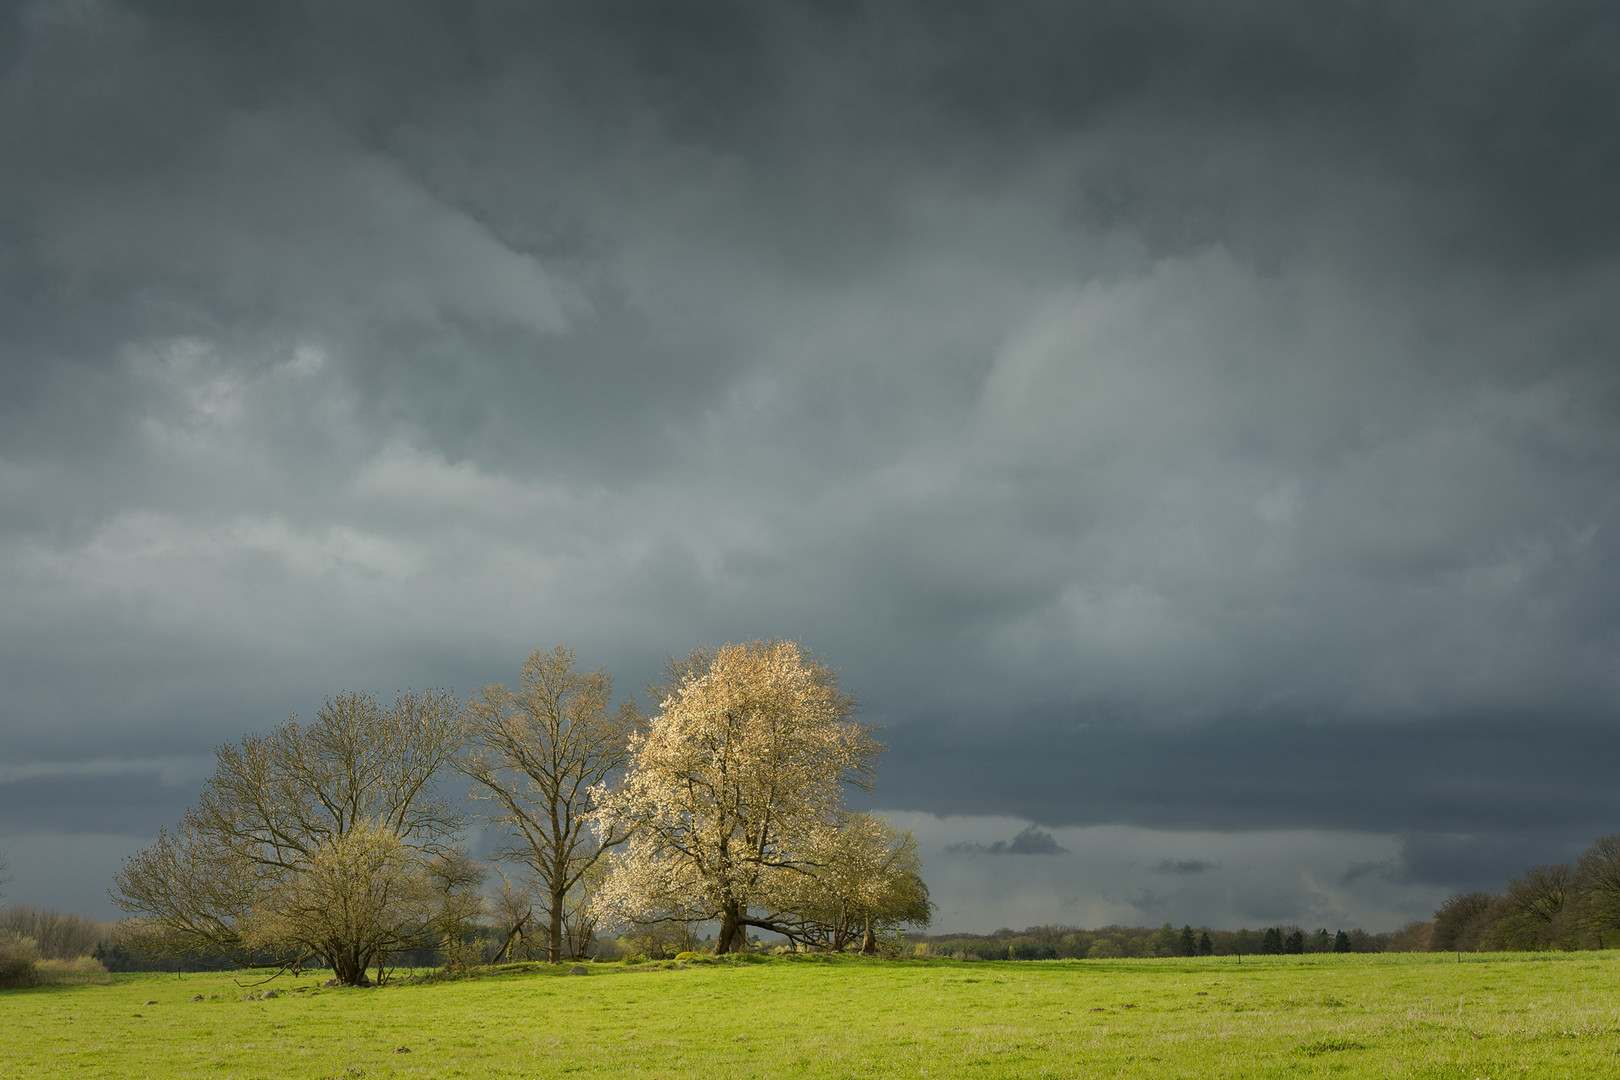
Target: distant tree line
{"type": "Point", "coordinates": [1564, 906]}
{"type": "Point", "coordinates": [1058, 942]}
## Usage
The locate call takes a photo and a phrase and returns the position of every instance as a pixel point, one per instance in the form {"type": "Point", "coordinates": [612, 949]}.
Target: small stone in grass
{"type": "Point", "coordinates": [579, 969]}
{"type": "Point", "coordinates": [149, 1002]}
{"type": "Point", "coordinates": [401, 1050]}
{"type": "Point", "coordinates": [196, 997]}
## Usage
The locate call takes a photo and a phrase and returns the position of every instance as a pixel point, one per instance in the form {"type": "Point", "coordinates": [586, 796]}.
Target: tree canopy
{"type": "Point", "coordinates": [326, 841]}
{"type": "Point", "coordinates": [734, 796]}
{"type": "Point", "coordinates": [537, 755]}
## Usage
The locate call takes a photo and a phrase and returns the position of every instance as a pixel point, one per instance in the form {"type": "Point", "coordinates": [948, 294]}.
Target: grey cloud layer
{"type": "Point", "coordinates": [1163, 414]}
{"type": "Point", "coordinates": [1030, 841]}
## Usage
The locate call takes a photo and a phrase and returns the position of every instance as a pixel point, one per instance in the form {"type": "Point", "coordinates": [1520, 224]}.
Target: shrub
{"type": "Point", "coordinates": [79, 969]}
{"type": "Point", "coordinates": [57, 935]}
{"type": "Point", "coordinates": [18, 964]}
{"type": "Point", "coordinates": [660, 941]}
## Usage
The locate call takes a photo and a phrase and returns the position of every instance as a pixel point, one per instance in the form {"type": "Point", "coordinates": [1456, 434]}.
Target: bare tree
{"type": "Point", "coordinates": [1463, 921]}
{"type": "Point", "coordinates": [733, 792]}
{"type": "Point", "coordinates": [1536, 910]}
{"type": "Point", "coordinates": [1597, 877]}
{"type": "Point", "coordinates": [513, 909]}
{"type": "Point", "coordinates": [310, 842]}
{"type": "Point", "coordinates": [57, 935]}
{"type": "Point", "coordinates": [538, 754]}
{"type": "Point", "coordinates": [580, 916]}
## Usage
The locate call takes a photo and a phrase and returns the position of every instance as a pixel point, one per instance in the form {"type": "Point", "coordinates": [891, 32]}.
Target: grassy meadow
{"type": "Point", "coordinates": [1419, 1015]}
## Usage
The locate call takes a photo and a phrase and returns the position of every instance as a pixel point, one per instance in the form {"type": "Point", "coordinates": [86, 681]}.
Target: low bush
{"type": "Point", "coordinates": [19, 965]}
{"type": "Point", "coordinates": [81, 969]}
{"type": "Point", "coordinates": [56, 935]}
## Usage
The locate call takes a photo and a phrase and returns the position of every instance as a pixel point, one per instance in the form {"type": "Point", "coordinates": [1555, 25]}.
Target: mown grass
{"type": "Point", "coordinates": [1315, 1016]}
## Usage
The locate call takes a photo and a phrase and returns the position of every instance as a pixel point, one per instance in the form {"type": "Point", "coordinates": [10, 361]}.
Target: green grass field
{"type": "Point", "coordinates": [1498, 1016]}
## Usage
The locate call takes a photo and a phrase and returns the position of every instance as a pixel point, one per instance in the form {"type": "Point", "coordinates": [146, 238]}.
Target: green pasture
{"type": "Point", "coordinates": [1498, 1016]}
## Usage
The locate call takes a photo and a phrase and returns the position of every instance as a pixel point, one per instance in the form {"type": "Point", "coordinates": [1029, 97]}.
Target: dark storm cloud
{"type": "Point", "coordinates": [1484, 863]}
{"type": "Point", "coordinates": [133, 805]}
{"type": "Point", "coordinates": [1183, 866]}
{"type": "Point", "coordinates": [1164, 414]}
{"type": "Point", "coordinates": [1504, 776]}
{"type": "Point", "coordinates": [1031, 841]}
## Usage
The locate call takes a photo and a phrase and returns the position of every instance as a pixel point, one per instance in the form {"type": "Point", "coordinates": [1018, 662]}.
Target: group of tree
{"type": "Point", "coordinates": [1574, 905]}
{"type": "Point", "coordinates": [330, 841]}
{"type": "Point", "coordinates": [335, 843]}
{"type": "Point", "coordinates": [56, 935]}
{"type": "Point", "coordinates": [1142, 942]}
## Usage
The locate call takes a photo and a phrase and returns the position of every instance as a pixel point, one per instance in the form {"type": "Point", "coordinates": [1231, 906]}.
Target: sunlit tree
{"type": "Point", "coordinates": [861, 879]}
{"type": "Point", "coordinates": [328, 841]}
{"type": "Point", "coordinates": [732, 793]}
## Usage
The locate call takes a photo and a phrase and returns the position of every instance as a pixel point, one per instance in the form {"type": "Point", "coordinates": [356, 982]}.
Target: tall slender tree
{"type": "Point", "coordinates": [537, 755]}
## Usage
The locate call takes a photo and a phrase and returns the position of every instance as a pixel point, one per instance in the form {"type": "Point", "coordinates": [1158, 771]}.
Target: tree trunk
{"type": "Point", "coordinates": [505, 952]}
{"type": "Point", "coordinates": [868, 941]}
{"type": "Point", "coordinates": [348, 968]}
{"type": "Point", "coordinates": [730, 929]}
{"type": "Point", "coordinates": [554, 942]}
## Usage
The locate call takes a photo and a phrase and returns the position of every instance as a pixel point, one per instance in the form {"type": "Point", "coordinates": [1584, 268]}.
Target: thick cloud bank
{"type": "Point", "coordinates": [1173, 417]}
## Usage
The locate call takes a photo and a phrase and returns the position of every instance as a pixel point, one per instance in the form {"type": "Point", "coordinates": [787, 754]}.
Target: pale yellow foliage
{"type": "Point", "coordinates": [316, 840]}
{"type": "Point", "coordinates": [865, 878]}
{"type": "Point", "coordinates": [735, 791]}
{"type": "Point", "coordinates": [364, 888]}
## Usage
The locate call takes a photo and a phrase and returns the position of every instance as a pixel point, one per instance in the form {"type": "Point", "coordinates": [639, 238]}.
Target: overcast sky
{"type": "Point", "coordinates": [1192, 429]}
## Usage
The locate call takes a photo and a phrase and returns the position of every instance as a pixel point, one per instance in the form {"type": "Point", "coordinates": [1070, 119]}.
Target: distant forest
{"type": "Point", "coordinates": [1560, 906]}
{"type": "Point", "coordinates": [1109, 942]}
